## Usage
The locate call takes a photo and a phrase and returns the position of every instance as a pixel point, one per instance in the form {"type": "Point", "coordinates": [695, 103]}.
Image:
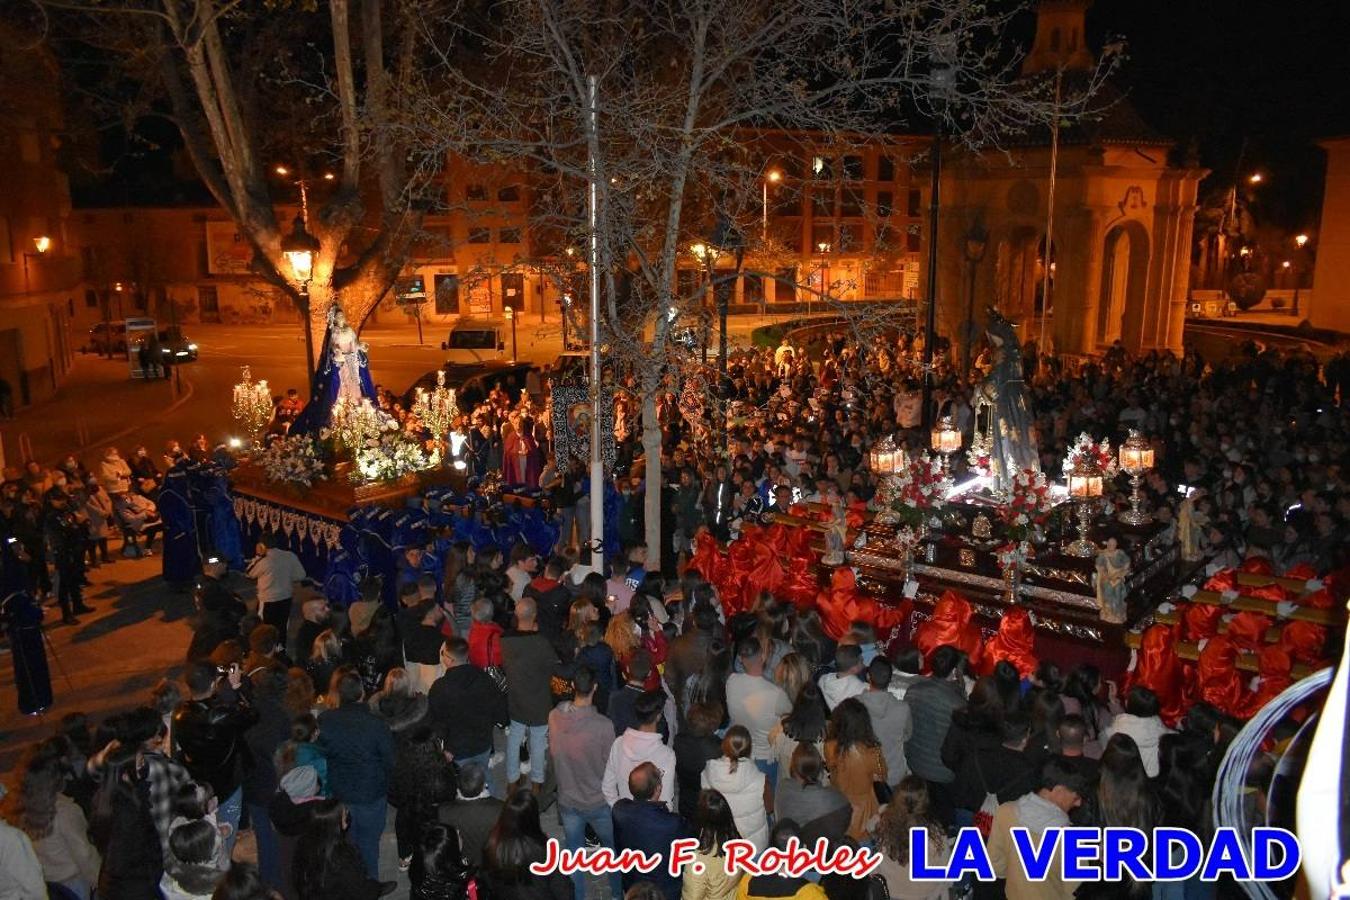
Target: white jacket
{"type": "Point", "coordinates": [1147, 732]}
{"type": "Point", "coordinates": [630, 750]}
{"type": "Point", "coordinates": [837, 688]}
{"type": "Point", "coordinates": [744, 790]}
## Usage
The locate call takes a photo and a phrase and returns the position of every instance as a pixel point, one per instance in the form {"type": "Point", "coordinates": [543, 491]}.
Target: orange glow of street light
{"type": "Point", "coordinates": [1301, 240]}
{"type": "Point", "coordinates": [1286, 264]}
{"type": "Point", "coordinates": [328, 176]}
{"type": "Point", "coordinates": [773, 176]}
{"type": "Point", "coordinates": [1256, 178]}
{"type": "Point", "coordinates": [282, 171]}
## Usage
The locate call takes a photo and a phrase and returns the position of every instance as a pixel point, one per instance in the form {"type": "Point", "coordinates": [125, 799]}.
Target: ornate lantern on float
{"type": "Point", "coordinates": [1085, 489]}
{"type": "Point", "coordinates": [1136, 459]}
{"type": "Point", "coordinates": [946, 440]}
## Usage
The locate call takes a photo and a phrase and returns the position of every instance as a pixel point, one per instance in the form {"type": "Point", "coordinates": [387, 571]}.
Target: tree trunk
{"type": "Point", "coordinates": [651, 446]}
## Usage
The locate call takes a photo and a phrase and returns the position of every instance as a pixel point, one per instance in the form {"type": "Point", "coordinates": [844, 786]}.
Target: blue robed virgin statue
{"type": "Point", "coordinates": [343, 372]}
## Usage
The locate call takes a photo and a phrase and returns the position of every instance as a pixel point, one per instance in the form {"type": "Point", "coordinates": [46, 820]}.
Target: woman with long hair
{"type": "Point", "coordinates": [694, 745]}
{"type": "Point", "coordinates": [327, 866]}
{"type": "Point", "coordinates": [243, 882]}
{"type": "Point", "coordinates": [708, 686]}
{"type": "Point", "coordinates": [593, 652]}
{"type": "Point", "coordinates": [421, 781]}
{"type": "Point", "coordinates": [806, 723]}
{"type": "Point", "coordinates": [459, 588]}
{"type": "Point", "coordinates": [1125, 799]}
{"type": "Point", "coordinates": [398, 703]}
{"type": "Point", "coordinates": [516, 841]}
{"type": "Point", "coordinates": [1046, 711]}
{"type": "Point", "coordinates": [791, 673]}
{"type": "Point", "coordinates": [715, 825]}
{"type": "Point", "coordinates": [854, 759]}
{"type": "Point", "coordinates": [53, 822]}
{"type": "Point", "coordinates": [735, 775]}
{"type": "Point", "coordinates": [124, 830]}
{"type": "Point", "coordinates": [1082, 695]}
{"type": "Point", "coordinates": [324, 658]}
{"type": "Point", "coordinates": [908, 810]}
{"type": "Point", "coordinates": [975, 728]}
{"type": "Point", "coordinates": [439, 871]}
{"type": "Point", "coordinates": [810, 640]}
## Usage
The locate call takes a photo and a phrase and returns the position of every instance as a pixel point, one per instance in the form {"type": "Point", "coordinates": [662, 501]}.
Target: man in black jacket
{"type": "Point", "coordinates": [473, 814]}
{"type": "Point", "coordinates": [360, 751]}
{"type": "Point", "coordinates": [528, 660]}
{"type": "Point", "coordinates": [464, 706]}
{"type": "Point", "coordinates": [644, 823]}
{"type": "Point", "coordinates": [208, 735]}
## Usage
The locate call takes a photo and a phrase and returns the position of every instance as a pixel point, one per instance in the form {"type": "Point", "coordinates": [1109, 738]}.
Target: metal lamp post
{"type": "Point", "coordinates": [773, 176]}
{"type": "Point", "coordinates": [1136, 458]}
{"type": "Point", "coordinates": [510, 315]}
{"type": "Point", "coordinates": [977, 240]}
{"type": "Point", "coordinates": [299, 248]}
{"type": "Point", "coordinates": [1085, 488]}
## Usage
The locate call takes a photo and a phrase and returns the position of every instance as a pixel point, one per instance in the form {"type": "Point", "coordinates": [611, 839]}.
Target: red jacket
{"type": "Point", "coordinates": [485, 644]}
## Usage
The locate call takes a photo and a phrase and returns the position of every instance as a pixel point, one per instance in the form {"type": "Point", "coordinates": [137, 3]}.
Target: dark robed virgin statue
{"type": "Point", "coordinates": [1012, 426]}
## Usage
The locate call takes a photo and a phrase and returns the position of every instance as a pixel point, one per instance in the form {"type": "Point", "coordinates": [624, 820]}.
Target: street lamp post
{"type": "Point", "coordinates": [772, 176]}
{"type": "Point", "coordinates": [824, 248]}
{"type": "Point", "coordinates": [299, 248]}
{"type": "Point", "coordinates": [977, 239]}
{"type": "Point", "coordinates": [510, 315]}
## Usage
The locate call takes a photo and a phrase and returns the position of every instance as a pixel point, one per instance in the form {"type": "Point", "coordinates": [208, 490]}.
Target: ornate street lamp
{"type": "Point", "coordinates": [1085, 488]}
{"type": "Point", "coordinates": [1136, 458]}
{"type": "Point", "coordinates": [299, 248]}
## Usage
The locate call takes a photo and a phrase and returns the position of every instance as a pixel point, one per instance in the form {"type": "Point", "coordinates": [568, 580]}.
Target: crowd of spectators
{"type": "Point", "coordinates": [630, 701]}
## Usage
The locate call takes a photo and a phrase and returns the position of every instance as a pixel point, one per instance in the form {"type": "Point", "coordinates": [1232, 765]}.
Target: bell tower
{"type": "Point", "coordinates": [1061, 41]}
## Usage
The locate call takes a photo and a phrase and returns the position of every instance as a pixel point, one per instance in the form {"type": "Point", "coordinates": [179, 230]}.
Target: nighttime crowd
{"type": "Point", "coordinates": [508, 686]}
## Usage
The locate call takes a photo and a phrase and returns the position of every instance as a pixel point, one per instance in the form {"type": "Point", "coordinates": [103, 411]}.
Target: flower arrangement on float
{"type": "Point", "coordinates": [292, 460]}
{"type": "Point", "coordinates": [979, 457]}
{"type": "Point", "coordinates": [391, 455]}
{"type": "Point", "coordinates": [1029, 504]}
{"type": "Point", "coordinates": [919, 491]}
{"type": "Point", "coordinates": [1098, 454]}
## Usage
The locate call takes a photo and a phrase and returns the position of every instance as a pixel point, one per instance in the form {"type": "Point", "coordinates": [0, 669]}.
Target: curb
{"type": "Point", "coordinates": [188, 390]}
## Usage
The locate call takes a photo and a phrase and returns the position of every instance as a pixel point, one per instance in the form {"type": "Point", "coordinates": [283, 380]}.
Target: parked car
{"type": "Point", "coordinates": [107, 333]}
{"type": "Point", "coordinates": [472, 342]}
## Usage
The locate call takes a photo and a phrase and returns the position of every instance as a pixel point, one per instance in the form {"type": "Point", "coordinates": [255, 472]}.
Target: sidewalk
{"type": "Point", "coordinates": [97, 401]}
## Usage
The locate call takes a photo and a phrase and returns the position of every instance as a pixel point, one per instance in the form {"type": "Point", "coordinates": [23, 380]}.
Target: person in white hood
{"type": "Point", "coordinates": [1062, 789]}
{"type": "Point", "coordinates": [638, 745]}
{"type": "Point", "coordinates": [845, 680]}
{"type": "Point", "coordinates": [736, 777]}
{"type": "Point", "coordinates": [1140, 721]}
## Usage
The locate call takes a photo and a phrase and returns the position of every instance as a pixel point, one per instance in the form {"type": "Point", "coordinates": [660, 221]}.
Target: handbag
{"type": "Point", "coordinates": [496, 673]}
{"type": "Point", "coordinates": [881, 789]}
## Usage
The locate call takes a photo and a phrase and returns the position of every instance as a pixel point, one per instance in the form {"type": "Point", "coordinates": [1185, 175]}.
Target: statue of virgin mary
{"type": "Point", "coordinates": [1013, 428]}
{"type": "Point", "coordinates": [343, 372]}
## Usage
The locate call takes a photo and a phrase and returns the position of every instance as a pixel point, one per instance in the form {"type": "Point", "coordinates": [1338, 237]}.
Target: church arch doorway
{"type": "Point", "coordinates": [1120, 310]}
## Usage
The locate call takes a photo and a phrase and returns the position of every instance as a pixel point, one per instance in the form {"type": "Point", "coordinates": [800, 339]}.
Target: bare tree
{"type": "Point", "coordinates": [278, 103]}
{"type": "Point", "coordinates": [693, 94]}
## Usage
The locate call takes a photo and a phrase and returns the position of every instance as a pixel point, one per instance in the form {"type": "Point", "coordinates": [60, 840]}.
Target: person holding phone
{"type": "Point", "coordinates": [208, 734]}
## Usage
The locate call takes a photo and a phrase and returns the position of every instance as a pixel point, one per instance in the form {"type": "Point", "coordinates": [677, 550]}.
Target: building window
{"type": "Point", "coordinates": [912, 203]}
{"type": "Point", "coordinates": [752, 288]}
{"type": "Point", "coordinates": [509, 194]}
{"type": "Point", "coordinates": [848, 238]}
{"type": "Point", "coordinates": [446, 289]}
{"type": "Point", "coordinates": [851, 202]}
{"type": "Point", "coordinates": [822, 201]}
{"type": "Point", "coordinates": [785, 285]}
{"type": "Point", "coordinates": [913, 238]}
{"type": "Point", "coordinates": [786, 202]}
{"type": "Point", "coordinates": [884, 201]}
{"type": "Point", "coordinates": [475, 193]}
{"type": "Point", "coordinates": [822, 234]}
{"type": "Point", "coordinates": [885, 168]}
{"type": "Point", "coordinates": [508, 236]}
{"type": "Point", "coordinates": [822, 167]}
{"type": "Point", "coordinates": [688, 284]}
{"type": "Point", "coordinates": [91, 299]}
{"type": "Point", "coordinates": [853, 168]}
{"type": "Point", "coordinates": [480, 235]}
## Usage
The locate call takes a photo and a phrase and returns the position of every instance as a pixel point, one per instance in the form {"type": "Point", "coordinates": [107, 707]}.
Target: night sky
{"type": "Point", "coordinates": [1275, 73]}
{"type": "Point", "coordinates": [1215, 72]}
